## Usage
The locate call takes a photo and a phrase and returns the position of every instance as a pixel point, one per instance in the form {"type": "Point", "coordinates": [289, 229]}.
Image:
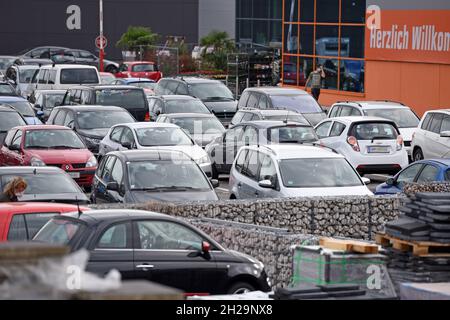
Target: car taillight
{"type": "Point", "coordinates": [399, 143]}
{"type": "Point", "coordinates": [147, 117]}
{"type": "Point", "coordinates": [353, 142]}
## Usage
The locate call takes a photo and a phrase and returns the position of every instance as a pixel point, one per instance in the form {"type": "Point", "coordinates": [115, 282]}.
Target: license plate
{"type": "Point", "coordinates": [378, 149]}
{"type": "Point", "coordinates": [74, 175]}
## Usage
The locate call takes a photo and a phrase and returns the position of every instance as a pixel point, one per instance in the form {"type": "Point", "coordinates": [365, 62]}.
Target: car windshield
{"type": "Point", "coordinates": [7, 90]}
{"type": "Point", "coordinates": [144, 67]}
{"type": "Point", "coordinates": [403, 117]}
{"type": "Point", "coordinates": [41, 183]}
{"type": "Point", "coordinates": [79, 76]}
{"type": "Point", "coordinates": [290, 117]}
{"type": "Point", "coordinates": [318, 173]}
{"type": "Point", "coordinates": [211, 91]}
{"type": "Point", "coordinates": [302, 103]}
{"type": "Point", "coordinates": [144, 85]}
{"type": "Point", "coordinates": [102, 119]}
{"type": "Point", "coordinates": [58, 231]}
{"type": "Point", "coordinates": [126, 98]}
{"type": "Point", "coordinates": [185, 106]}
{"type": "Point", "coordinates": [293, 134]}
{"type": "Point", "coordinates": [23, 107]}
{"type": "Point", "coordinates": [200, 125]}
{"type": "Point", "coordinates": [151, 137]}
{"type": "Point", "coordinates": [52, 100]}
{"type": "Point", "coordinates": [25, 75]}
{"type": "Point", "coordinates": [52, 139]}
{"type": "Point", "coordinates": [10, 120]}
{"type": "Point", "coordinates": [374, 130]}
{"type": "Point", "coordinates": [166, 174]}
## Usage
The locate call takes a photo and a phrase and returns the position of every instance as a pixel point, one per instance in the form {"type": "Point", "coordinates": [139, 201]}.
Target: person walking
{"type": "Point", "coordinates": [315, 78]}
{"type": "Point", "coordinates": [13, 190]}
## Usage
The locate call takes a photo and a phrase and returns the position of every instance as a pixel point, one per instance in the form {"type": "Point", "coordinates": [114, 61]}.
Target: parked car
{"type": "Point", "coordinates": [22, 61]}
{"type": "Point", "coordinates": [277, 171]}
{"type": "Point", "coordinates": [62, 189]}
{"type": "Point", "coordinates": [23, 107]}
{"type": "Point", "coordinates": [203, 128]}
{"type": "Point", "coordinates": [159, 105]}
{"type": "Point", "coordinates": [45, 100]}
{"type": "Point", "coordinates": [42, 52]}
{"type": "Point", "coordinates": [142, 176]}
{"type": "Point", "coordinates": [222, 151]}
{"type": "Point", "coordinates": [251, 114]}
{"type": "Point", "coordinates": [432, 137]}
{"type": "Point", "coordinates": [165, 250]}
{"type": "Point", "coordinates": [423, 171]}
{"type": "Point", "coordinates": [63, 76]}
{"type": "Point", "coordinates": [139, 69]}
{"type": "Point", "coordinates": [405, 118]}
{"type": "Point", "coordinates": [370, 144]}
{"type": "Point", "coordinates": [130, 98]}
{"type": "Point", "coordinates": [87, 58]}
{"type": "Point", "coordinates": [21, 76]}
{"type": "Point", "coordinates": [147, 84]}
{"type": "Point", "coordinates": [55, 146]}
{"type": "Point", "coordinates": [106, 77]}
{"type": "Point", "coordinates": [9, 118]}
{"type": "Point", "coordinates": [20, 221]}
{"type": "Point", "coordinates": [151, 136]}
{"type": "Point", "coordinates": [214, 94]}
{"type": "Point", "coordinates": [6, 62]}
{"type": "Point", "coordinates": [283, 98]}
{"type": "Point", "coordinates": [90, 122]}
{"type": "Point", "coordinates": [7, 89]}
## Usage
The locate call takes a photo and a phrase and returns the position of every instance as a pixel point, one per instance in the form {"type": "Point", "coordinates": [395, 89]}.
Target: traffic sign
{"type": "Point", "coordinates": [102, 39]}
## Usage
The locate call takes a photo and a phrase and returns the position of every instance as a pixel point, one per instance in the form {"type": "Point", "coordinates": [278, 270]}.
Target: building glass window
{"type": "Point", "coordinates": [326, 32]}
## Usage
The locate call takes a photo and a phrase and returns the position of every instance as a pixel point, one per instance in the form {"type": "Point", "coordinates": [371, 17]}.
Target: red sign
{"type": "Point", "coordinates": [99, 40]}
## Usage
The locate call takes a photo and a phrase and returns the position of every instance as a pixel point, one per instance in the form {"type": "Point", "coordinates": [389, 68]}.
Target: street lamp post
{"type": "Point", "coordinates": [102, 48]}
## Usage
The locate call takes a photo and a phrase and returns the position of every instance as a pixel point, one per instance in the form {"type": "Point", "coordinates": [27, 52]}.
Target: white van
{"type": "Point", "coordinates": [64, 76]}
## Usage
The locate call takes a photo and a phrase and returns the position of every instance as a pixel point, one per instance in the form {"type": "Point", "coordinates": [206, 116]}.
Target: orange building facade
{"type": "Point", "coordinates": [371, 50]}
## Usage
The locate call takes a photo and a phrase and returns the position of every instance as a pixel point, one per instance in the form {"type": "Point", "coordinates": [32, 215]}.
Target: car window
{"type": "Point", "coordinates": [247, 117]}
{"type": "Point", "coordinates": [268, 170]}
{"type": "Point", "coordinates": [17, 139]}
{"type": "Point", "coordinates": [337, 129]}
{"type": "Point", "coordinates": [52, 77]}
{"type": "Point", "coordinates": [84, 98]}
{"type": "Point", "coordinates": [428, 174]}
{"type": "Point", "coordinates": [240, 160]}
{"type": "Point", "coordinates": [426, 122]}
{"type": "Point", "coordinates": [445, 124]}
{"type": "Point", "coordinates": [346, 111]}
{"type": "Point", "coordinates": [114, 238]}
{"type": "Point", "coordinates": [127, 136]}
{"type": "Point", "coordinates": [115, 134]}
{"type": "Point", "coordinates": [252, 165]}
{"type": "Point", "coordinates": [263, 102]}
{"type": "Point", "coordinates": [41, 77]}
{"type": "Point", "coordinates": [322, 130]}
{"type": "Point", "coordinates": [252, 101]}
{"type": "Point", "coordinates": [243, 99]}
{"type": "Point", "coordinates": [436, 123]}
{"type": "Point", "coordinates": [250, 136]}
{"type": "Point", "coordinates": [237, 117]}
{"type": "Point", "coordinates": [69, 120]}
{"type": "Point", "coordinates": [182, 89]}
{"type": "Point", "coordinates": [233, 135]}
{"type": "Point", "coordinates": [9, 137]}
{"type": "Point", "coordinates": [143, 67]}
{"type": "Point", "coordinates": [17, 229]}
{"type": "Point", "coordinates": [79, 76]}
{"type": "Point", "coordinates": [164, 235]}
{"type": "Point", "coordinates": [372, 130]}
{"type": "Point", "coordinates": [59, 118]}
{"type": "Point", "coordinates": [409, 174]}
{"type": "Point", "coordinates": [35, 221]}
{"type": "Point", "coordinates": [447, 175]}
{"type": "Point", "coordinates": [117, 172]}
{"type": "Point", "coordinates": [107, 170]}
{"type": "Point", "coordinates": [172, 87]}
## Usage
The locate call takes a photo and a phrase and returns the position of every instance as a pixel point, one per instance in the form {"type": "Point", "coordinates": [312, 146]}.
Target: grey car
{"type": "Point", "coordinates": [142, 176]}
{"type": "Point", "coordinates": [159, 105]}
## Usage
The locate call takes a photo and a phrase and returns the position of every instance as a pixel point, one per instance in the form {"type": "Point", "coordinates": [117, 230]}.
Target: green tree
{"type": "Point", "coordinates": [221, 44]}
{"type": "Point", "coordinates": [137, 36]}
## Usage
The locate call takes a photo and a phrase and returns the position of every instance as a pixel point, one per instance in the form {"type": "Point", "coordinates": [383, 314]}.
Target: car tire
{"type": "Point", "coordinates": [111, 69]}
{"type": "Point", "coordinates": [214, 173]}
{"type": "Point", "coordinates": [418, 155]}
{"type": "Point", "coordinates": [240, 287]}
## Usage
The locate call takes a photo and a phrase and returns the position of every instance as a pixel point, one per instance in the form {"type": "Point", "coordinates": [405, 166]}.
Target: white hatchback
{"type": "Point", "coordinates": [371, 145]}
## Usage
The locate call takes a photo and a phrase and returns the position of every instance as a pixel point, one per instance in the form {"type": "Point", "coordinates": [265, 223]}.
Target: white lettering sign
{"type": "Point", "coordinates": [73, 21]}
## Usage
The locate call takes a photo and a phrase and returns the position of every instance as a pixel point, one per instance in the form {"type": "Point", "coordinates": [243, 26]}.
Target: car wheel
{"type": "Point", "coordinates": [240, 288]}
{"type": "Point", "coordinates": [111, 69]}
{"type": "Point", "coordinates": [418, 155]}
{"type": "Point", "coordinates": [214, 173]}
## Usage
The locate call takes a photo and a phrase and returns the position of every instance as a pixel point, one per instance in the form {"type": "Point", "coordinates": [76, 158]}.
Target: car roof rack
{"type": "Point", "coordinates": [391, 101]}
{"type": "Point", "coordinates": [348, 102]}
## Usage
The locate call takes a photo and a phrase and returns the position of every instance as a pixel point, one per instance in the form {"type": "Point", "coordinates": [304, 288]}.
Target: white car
{"type": "Point", "coordinates": [370, 144]}
{"type": "Point", "coordinates": [432, 138]}
{"type": "Point", "coordinates": [151, 136]}
{"type": "Point", "coordinates": [405, 118]}
{"type": "Point", "coordinates": [278, 171]}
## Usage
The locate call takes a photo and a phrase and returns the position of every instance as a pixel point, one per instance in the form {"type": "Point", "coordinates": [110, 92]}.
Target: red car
{"type": "Point", "coordinates": [139, 69]}
{"type": "Point", "coordinates": [20, 221]}
{"type": "Point", "coordinates": [56, 146]}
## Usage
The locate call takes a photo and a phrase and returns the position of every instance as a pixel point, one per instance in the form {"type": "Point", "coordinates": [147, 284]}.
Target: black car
{"type": "Point", "coordinates": [223, 149]}
{"type": "Point", "coordinates": [90, 122]}
{"type": "Point", "coordinates": [45, 184]}
{"type": "Point", "coordinates": [155, 247]}
{"type": "Point", "coordinates": [9, 118]}
{"type": "Point", "coordinates": [140, 176]}
{"type": "Point", "coordinates": [132, 99]}
{"type": "Point", "coordinates": [214, 94]}
{"type": "Point", "coordinates": [159, 105]}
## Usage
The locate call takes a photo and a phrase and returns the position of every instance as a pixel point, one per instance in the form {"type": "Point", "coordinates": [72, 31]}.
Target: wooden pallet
{"type": "Point", "coordinates": [418, 248]}
{"type": "Point", "coordinates": [349, 245]}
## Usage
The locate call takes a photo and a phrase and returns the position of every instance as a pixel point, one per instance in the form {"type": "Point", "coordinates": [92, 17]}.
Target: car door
{"type": "Point", "coordinates": [268, 171]}
{"type": "Point", "coordinates": [112, 249]}
{"type": "Point", "coordinates": [113, 143]}
{"type": "Point", "coordinates": [432, 147]}
{"type": "Point", "coordinates": [334, 139]}
{"type": "Point", "coordinates": [323, 130]}
{"type": "Point", "coordinates": [248, 186]}
{"type": "Point", "coordinates": [59, 117]}
{"type": "Point", "coordinates": [168, 253]}
{"type": "Point", "coordinates": [14, 157]}
{"type": "Point", "coordinates": [409, 175]}
{"type": "Point", "coordinates": [429, 173]}
{"type": "Point", "coordinates": [127, 139]}
{"type": "Point", "coordinates": [5, 153]}
{"type": "Point", "coordinates": [232, 143]}
{"type": "Point", "coordinates": [102, 178]}
{"type": "Point", "coordinates": [443, 150]}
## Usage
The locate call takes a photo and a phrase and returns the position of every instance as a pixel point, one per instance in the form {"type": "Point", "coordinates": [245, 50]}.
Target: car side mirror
{"type": "Point", "coordinates": [14, 147]}
{"type": "Point", "coordinates": [390, 181]}
{"type": "Point", "coordinates": [215, 183]}
{"type": "Point", "coordinates": [266, 184]}
{"type": "Point", "coordinates": [38, 106]}
{"type": "Point", "coordinates": [366, 181]}
{"type": "Point", "coordinates": [112, 186]}
{"type": "Point", "coordinates": [445, 134]}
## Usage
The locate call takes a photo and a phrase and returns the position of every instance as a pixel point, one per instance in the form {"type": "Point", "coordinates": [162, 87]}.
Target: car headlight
{"type": "Point", "coordinates": [91, 163]}
{"type": "Point", "coordinates": [36, 162]}
{"type": "Point", "coordinates": [203, 160]}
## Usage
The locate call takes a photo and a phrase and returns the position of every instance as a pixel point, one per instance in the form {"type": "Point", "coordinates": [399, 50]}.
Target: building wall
{"type": "Point", "coordinates": [217, 15]}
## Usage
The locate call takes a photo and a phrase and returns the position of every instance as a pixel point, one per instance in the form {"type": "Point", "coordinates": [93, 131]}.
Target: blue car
{"type": "Point", "coordinates": [22, 106]}
{"type": "Point", "coordinates": [432, 170]}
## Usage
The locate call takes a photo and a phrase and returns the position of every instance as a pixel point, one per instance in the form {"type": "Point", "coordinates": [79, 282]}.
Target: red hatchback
{"type": "Point", "coordinates": [20, 221]}
{"type": "Point", "coordinates": [139, 69]}
{"type": "Point", "coordinates": [47, 145]}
